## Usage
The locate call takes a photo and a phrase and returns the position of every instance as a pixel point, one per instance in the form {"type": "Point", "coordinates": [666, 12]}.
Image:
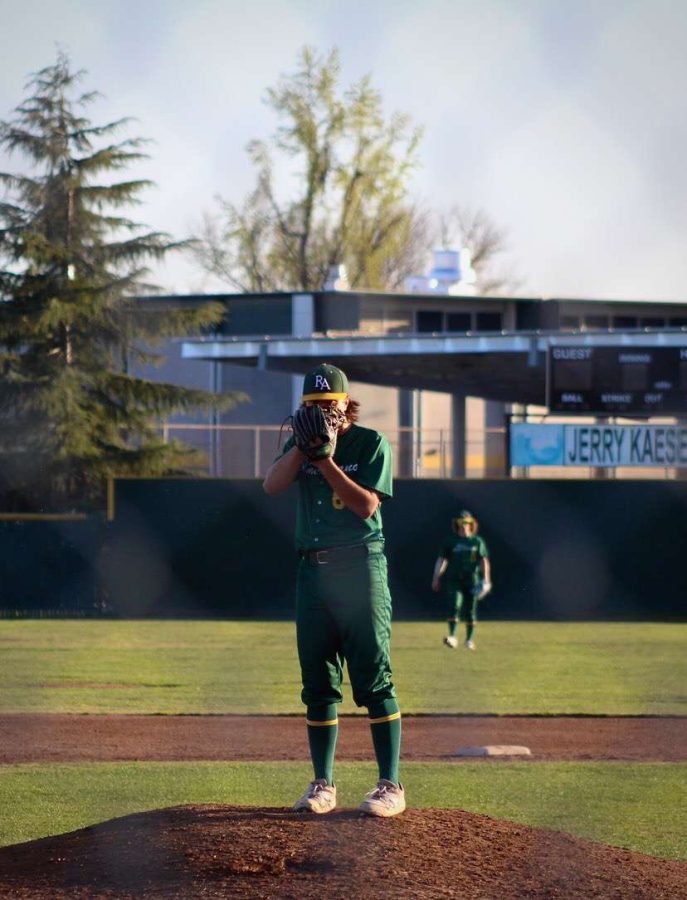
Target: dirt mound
{"type": "Point", "coordinates": [242, 852]}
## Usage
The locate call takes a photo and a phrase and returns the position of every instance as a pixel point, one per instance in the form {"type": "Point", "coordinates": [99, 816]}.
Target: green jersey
{"type": "Point", "coordinates": [464, 555]}
{"type": "Point", "coordinates": [322, 520]}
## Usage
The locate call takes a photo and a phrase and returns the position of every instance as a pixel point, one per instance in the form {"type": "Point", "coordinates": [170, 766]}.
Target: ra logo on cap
{"type": "Point", "coordinates": [321, 383]}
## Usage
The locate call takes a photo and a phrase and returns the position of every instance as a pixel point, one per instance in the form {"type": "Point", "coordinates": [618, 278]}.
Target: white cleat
{"type": "Point", "coordinates": [451, 641]}
{"type": "Point", "coordinates": [319, 797]}
{"type": "Point", "coordinates": [387, 799]}
{"type": "Point", "coordinates": [469, 645]}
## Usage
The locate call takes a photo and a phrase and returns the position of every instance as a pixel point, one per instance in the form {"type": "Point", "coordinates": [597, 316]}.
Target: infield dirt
{"type": "Point", "coordinates": [239, 852]}
{"type": "Point", "coordinates": [70, 738]}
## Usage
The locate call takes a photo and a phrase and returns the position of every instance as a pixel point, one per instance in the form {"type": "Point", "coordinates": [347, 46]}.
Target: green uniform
{"type": "Point", "coordinates": [343, 605]}
{"type": "Point", "coordinates": [463, 573]}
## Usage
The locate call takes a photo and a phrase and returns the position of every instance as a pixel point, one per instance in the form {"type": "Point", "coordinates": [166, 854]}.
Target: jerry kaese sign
{"type": "Point", "coordinates": [598, 445]}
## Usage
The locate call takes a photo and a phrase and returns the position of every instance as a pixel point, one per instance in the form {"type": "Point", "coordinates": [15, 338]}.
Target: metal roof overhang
{"type": "Point", "coordinates": [508, 367]}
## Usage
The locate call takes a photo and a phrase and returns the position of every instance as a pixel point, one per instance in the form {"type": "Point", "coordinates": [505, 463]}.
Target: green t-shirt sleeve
{"type": "Point", "coordinates": [376, 472]}
{"type": "Point", "coordinates": [483, 551]}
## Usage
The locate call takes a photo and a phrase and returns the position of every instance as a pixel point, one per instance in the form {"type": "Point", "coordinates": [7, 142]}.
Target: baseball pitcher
{"type": "Point", "coordinates": [343, 606]}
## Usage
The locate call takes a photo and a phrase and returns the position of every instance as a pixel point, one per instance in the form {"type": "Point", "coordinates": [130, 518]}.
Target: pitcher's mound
{"type": "Point", "coordinates": [238, 852]}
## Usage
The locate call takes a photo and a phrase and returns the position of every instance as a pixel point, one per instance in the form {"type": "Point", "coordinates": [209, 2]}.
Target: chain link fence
{"type": "Point", "coordinates": [246, 451]}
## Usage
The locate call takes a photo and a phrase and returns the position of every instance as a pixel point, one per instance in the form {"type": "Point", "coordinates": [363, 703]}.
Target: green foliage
{"type": "Point", "coordinates": [350, 169]}
{"type": "Point", "coordinates": [71, 411]}
{"type": "Point", "coordinates": [636, 806]}
{"type": "Point", "coordinates": [191, 667]}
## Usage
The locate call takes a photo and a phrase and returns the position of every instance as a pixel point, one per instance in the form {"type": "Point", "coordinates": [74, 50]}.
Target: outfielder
{"type": "Point", "coordinates": [343, 605]}
{"type": "Point", "coordinates": [463, 565]}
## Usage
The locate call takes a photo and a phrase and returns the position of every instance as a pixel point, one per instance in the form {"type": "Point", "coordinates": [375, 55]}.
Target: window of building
{"type": "Point", "coordinates": [624, 321]}
{"type": "Point", "coordinates": [456, 321]}
{"type": "Point", "coordinates": [571, 322]}
{"type": "Point", "coordinates": [488, 321]}
{"type": "Point", "coordinates": [429, 320]}
{"type": "Point", "coordinates": [596, 321]}
{"type": "Point", "coordinates": [678, 322]}
{"type": "Point", "coordinates": [652, 322]}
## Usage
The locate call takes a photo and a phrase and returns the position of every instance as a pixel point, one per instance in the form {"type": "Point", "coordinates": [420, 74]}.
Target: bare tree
{"type": "Point", "coordinates": [349, 200]}
{"type": "Point", "coordinates": [474, 229]}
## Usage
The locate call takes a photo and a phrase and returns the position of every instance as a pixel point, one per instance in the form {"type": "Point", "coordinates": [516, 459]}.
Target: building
{"type": "Point", "coordinates": [444, 375]}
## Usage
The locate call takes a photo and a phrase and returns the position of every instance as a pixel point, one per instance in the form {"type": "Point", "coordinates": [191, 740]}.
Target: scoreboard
{"type": "Point", "coordinates": [646, 381]}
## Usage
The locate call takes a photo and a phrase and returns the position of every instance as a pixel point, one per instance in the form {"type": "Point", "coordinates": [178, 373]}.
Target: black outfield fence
{"type": "Point", "coordinates": [561, 550]}
{"type": "Point", "coordinates": [48, 565]}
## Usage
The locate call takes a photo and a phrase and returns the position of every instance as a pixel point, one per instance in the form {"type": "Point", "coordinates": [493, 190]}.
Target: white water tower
{"type": "Point", "coordinates": [451, 273]}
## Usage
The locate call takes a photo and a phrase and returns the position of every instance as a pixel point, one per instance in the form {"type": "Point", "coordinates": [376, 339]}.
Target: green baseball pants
{"type": "Point", "coordinates": [343, 613]}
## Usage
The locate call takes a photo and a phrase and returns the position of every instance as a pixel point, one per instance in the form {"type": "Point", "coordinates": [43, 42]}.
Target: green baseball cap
{"type": "Point", "coordinates": [325, 382]}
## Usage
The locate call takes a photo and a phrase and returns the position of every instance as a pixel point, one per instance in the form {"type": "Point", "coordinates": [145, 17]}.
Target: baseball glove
{"type": "Point", "coordinates": [482, 588]}
{"type": "Point", "coordinates": [315, 432]}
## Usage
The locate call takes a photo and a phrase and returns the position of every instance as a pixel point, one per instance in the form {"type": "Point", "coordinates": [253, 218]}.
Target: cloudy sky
{"type": "Point", "coordinates": [563, 119]}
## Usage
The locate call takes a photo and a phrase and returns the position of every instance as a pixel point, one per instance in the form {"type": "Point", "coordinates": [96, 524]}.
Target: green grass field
{"type": "Point", "coordinates": [250, 667]}
{"type": "Point", "coordinates": [638, 807]}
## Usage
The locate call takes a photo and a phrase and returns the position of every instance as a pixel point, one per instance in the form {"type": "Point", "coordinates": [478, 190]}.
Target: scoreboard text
{"type": "Point", "coordinates": [647, 381]}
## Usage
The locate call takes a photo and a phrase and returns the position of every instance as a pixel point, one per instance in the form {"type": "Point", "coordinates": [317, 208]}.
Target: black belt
{"type": "Point", "coordinates": [337, 554]}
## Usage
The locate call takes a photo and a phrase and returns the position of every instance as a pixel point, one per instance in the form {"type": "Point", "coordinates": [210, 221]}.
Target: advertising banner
{"type": "Point", "coordinates": [598, 445]}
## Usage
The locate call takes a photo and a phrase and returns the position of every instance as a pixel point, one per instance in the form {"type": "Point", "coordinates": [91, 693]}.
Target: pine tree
{"type": "Point", "coordinates": [72, 332]}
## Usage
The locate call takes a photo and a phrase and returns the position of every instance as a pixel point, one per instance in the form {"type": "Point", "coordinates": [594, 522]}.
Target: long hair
{"type": "Point", "coordinates": [353, 411]}
{"type": "Point", "coordinates": [472, 532]}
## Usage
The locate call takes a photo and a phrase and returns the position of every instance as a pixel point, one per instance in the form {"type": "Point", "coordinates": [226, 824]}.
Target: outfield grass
{"type": "Point", "coordinates": [250, 667]}
{"type": "Point", "coordinates": [638, 807]}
